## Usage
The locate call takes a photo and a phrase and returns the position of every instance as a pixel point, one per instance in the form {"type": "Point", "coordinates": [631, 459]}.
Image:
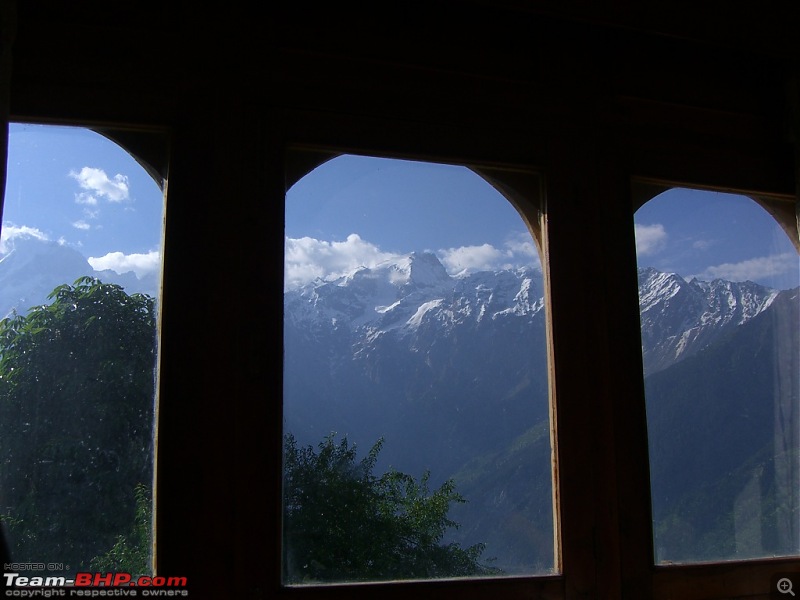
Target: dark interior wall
{"type": "Point", "coordinates": [594, 98]}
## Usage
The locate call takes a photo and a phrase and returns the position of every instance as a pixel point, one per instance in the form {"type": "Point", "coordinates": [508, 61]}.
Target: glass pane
{"type": "Point", "coordinates": [79, 279]}
{"type": "Point", "coordinates": [415, 378]}
{"type": "Point", "coordinates": [718, 291]}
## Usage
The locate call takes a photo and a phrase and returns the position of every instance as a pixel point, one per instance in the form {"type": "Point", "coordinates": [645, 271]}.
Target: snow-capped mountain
{"type": "Point", "coordinates": [451, 371]}
{"type": "Point", "coordinates": [367, 352]}
{"type": "Point", "coordinates": [385, 340]}
{"type": "Point", "coordinates": [678, 318]}
{"type": "Point", "coordinates": [404, 294]}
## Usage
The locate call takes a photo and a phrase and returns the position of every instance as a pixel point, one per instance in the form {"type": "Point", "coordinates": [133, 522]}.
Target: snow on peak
{"type": "Point", "coordinates": [678, 317]}
{"type": "Point", "coordinates": [404, 292]}
{"type": "Point", "coordinates": [715, 299]}
{"type": "Point", "coordinates": [419, 269]}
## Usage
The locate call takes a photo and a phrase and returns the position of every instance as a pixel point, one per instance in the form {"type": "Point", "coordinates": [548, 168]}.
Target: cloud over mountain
{"type": "Point", "coordinates": [308, 259]}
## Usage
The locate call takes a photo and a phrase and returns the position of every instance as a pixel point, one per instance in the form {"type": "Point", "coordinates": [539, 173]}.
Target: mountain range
{"type": "Point", "coordinates": [451, 372]}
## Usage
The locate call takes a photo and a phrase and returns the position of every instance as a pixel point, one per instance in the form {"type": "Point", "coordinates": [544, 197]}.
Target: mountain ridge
{"type": "Point", "coordinates": [678, 317]}
{"type": "Point", "coordinates": [452, 377]}
{"type": "Point", "coordinates": [451, 371]}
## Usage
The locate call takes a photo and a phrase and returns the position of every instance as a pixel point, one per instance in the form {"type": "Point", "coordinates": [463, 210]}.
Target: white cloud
{"type": "Point", "coordinates": [753, 269]}
{"type": "Point", "coordinates": [84, 198]}
{"type": "Point", "coordinates": [307, 258]}
{"type": "Point", "coordinates": [518, 251]}
{"type": "Point", "coordinates": [522, 251]}
{"type": "Point", "coordinates": [472, 258]}
{"type": "Point", "coordinates": [97, 183]}
{"type": "Point", "coordinates": [81, 225]}
{"type": "Point", "coordinates": [141, 264]}
{"type": "Point", "coordinates": [522, 246]}
{"type": "Point", "coordinates": [649, 238]}
{"type": "Point", "coordinates": [11, 232]}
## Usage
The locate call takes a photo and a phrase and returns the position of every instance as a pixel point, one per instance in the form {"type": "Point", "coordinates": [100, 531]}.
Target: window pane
{"type": "Point", "coordinates": [414, 320]}
{"type": "Point", "coordinates": [718, 289]}
{"type": "Point", "coordinates": [79, 279]}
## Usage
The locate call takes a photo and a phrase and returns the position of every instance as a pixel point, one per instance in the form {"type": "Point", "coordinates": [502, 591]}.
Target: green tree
{"type": "Point", "coordinates": [77, 383]}
{"type": "Point", "coordinates": [343, 523]}
{"type": "Point", "coordinates": [131, 553]}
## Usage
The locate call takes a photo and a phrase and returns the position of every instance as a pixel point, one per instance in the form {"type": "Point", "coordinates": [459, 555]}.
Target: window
{"type": "Point", "coordinates": [414, 319]}
{"type": "Point", "coordinates": [587, 98]}
{"type": "Point", "coordinates": [719, 301]}
{"type": "Point", "coordinates": [80, 276]}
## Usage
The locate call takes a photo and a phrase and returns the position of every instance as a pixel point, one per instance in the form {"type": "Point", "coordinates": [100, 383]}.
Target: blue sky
{"type": "Point", "coordinates": [714, 235]}
{"type": "Point", "coordinates": [75, 187]}
{"type": "Point", "coordinates": [354, 211]}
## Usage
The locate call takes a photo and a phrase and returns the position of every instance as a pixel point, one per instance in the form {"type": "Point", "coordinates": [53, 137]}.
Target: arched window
{"type": "Point", "coordinates": [719, 302]}
{"type": "Point", "coordinates": [80, 277]}
{"type": "Point", "coordinates": [416, 394]}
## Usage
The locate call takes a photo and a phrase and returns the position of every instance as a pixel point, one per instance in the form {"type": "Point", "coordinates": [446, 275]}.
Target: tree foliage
{"type": "Point", "coordinates": [344, 523]}
{"type": "Point", "coordinates": [131, 553]}
{"type": "Point", "coordinates": [77, 382]}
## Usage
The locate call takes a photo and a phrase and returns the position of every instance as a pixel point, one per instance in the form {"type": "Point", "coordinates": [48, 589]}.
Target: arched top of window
{"type": "Point", "coordinates": [783, 209]}
{"type": "Point", "coordinates": [522, 188]}
{"type": "Point", "coordinates": [708, 235]}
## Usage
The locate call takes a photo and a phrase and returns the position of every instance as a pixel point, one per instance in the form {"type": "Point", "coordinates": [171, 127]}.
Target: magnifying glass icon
{"type": "Point", "coordinates": [785, 586]}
